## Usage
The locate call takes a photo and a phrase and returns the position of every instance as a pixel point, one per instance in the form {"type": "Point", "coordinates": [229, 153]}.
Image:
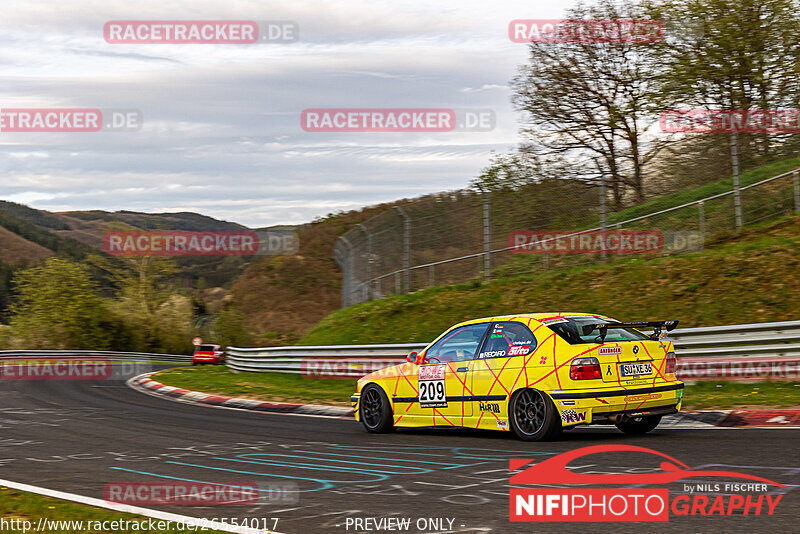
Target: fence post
{"type": "Point", "coordinates": [796, 180]}
{"type": "Point", "coordinates": [487, 236]}
{"type": "Point", "coordinates": [737, 198]}
{"type": "Point", "coordinates": [345, 261]}
{"type": "Point", "coordinates": [406, 249]}
{"type": "Point", "coordinates": [368, 281]}
{"type": "Point", "coordinates": [603, 212]}
{"type": "Point", "coordinates": [701, 214]}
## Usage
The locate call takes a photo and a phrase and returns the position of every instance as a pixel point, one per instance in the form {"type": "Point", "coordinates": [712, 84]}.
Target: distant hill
{"type": "Point", "coordinates": [28, 235]}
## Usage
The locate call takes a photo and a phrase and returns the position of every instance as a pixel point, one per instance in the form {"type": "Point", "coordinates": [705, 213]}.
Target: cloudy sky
{"type": "Point", "coordinates": [221, 130]}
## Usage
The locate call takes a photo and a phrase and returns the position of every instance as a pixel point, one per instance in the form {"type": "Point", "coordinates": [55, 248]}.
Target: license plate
{"type": "Point", "coordinates": [636, 369]}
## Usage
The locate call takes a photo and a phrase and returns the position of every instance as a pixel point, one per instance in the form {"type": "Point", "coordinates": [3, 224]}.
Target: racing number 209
{"type": "Point", "coordinates": [431, 391]}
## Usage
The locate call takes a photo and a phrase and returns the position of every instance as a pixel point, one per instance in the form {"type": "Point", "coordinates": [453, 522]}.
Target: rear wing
{"type": "Point", "coordinates": [657, 326]}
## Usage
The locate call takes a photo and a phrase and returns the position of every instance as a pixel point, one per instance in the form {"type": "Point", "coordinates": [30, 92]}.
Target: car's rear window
{"type": "Point", "coordinates": [571, 330]}
{"type": "Point", "coordinates": [206, 348]}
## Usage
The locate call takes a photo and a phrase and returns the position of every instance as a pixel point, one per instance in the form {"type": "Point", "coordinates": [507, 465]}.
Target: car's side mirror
{"type": "Point", "coordinates": [412, 357]}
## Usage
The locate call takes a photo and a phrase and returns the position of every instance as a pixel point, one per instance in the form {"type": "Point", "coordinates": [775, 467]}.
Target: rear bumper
{"type": "Point", "coordinates": [604, 406]}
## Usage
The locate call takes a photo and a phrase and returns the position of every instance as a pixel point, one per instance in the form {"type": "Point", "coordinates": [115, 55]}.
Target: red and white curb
{"type": "Point", "coordinates": [147, 385]}
{"type": "Point", "coordinates": [683, 420]}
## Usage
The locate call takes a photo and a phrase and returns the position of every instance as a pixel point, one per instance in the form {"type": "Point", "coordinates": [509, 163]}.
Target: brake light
{"type": "Point", "coordinates": [672, 363]}
{"type": "Point", "coordinates": [585, 369]}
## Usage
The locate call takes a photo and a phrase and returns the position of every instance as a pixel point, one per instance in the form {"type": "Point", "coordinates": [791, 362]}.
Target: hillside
{"type": "Point", "coordinates": [29, 235]}
{"type": "Point", "coordinates": [282, 297]}
{"type": "Point", "coordinates": [742, 279]}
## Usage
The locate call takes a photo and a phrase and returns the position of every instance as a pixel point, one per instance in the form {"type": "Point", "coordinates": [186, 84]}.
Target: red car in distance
{"type": "Point", "coordinates": [208, 354]}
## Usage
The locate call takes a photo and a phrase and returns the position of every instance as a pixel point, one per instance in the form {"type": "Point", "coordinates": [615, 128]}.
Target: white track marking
{"type": "Point", "coordinates": [124, 508]}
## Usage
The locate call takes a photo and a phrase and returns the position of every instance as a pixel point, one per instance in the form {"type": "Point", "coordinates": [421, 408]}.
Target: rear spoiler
{"type": "Point", "coordinates": [657, 327]}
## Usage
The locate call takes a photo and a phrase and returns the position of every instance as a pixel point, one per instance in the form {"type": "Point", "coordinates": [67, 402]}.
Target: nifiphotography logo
{"type": "Point", "coordinates": [747, 496]}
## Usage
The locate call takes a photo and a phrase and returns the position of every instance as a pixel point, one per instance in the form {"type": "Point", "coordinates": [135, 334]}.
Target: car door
{"type": "Point", "coordinates": [499, 365]}
{"type": "Point", "coordinates": [443, 374]}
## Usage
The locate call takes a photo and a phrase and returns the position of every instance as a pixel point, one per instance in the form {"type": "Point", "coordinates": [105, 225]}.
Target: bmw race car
{"type": "Point", "coordinates": [534, 374]}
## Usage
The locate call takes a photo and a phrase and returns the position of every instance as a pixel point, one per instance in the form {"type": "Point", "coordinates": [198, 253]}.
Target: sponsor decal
{"type": "Point", "coordinates": [493, 407]}
{"type": "Point", "coordinates": [551, 501]}
{"type": "Point", "coordinates": [645, 397]}
{"type": "Point", "coordinates": [182, 493]}
{"type": "Point", "coordinates": [567, 403]}
{"type": "Point", "coordinates": [571, 416]}
{"type": "Point", "coordinates": [432, 372]}
{"type": "Point", "coordinates": [432, 391]}
{"type": "Point", "coordinates": [502, 425]}
{"type": "Point", "coordinates": [595, 242]}
{"type": "Point", "coordinates": [519, 350]}
{"type": "Point", "coordinates": [493, 354]}
{"type": "Point", "coordinates": [609, 351]}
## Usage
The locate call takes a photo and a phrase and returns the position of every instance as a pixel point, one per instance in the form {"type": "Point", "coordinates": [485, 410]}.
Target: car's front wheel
{"type": "Point", "coordinates": [533, 415]}
{"type": "Point", "coordinates": [376, 413]}
{"type": "Point", "coordinates": [639, 425]}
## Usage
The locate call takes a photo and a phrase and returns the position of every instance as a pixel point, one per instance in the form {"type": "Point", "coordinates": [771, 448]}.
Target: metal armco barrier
{"type": "Point", "coordinates": [100, 354]}
{"type": "Point", "coordinates": [759, 351]}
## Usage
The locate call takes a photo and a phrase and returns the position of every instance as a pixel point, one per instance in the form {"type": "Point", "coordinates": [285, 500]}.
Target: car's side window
{"type": "Point", "coordinates": [509, 338]}
{"type": "Point", "coordinates": [459, 345]}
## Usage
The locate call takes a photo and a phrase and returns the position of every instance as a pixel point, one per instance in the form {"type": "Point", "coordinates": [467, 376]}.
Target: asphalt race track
{"type": "Point", "coordinates": [78, 436]}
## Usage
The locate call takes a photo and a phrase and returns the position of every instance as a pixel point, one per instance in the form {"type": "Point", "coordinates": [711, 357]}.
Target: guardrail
{"type": "Point", "coordinates": [759, 351]}
{"type": "Point", "coordinates": [101, 354]}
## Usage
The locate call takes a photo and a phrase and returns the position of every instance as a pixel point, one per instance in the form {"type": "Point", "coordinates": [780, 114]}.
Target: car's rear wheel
{"type": "Point", "coordinates": [376, 413]}
{"type": "Point", "coordinates": [639, 425]}
{"type": "Point", "coordinates": [533, 415]}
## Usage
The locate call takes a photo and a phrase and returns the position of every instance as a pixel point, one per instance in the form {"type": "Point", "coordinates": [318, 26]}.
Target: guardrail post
{"type": "Point", "coordinates": [796, 180]}
{"type": "Point", "coordinates": [431, 276]}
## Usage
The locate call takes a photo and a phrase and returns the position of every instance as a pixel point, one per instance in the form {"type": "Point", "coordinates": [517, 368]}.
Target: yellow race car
{"type": "Point", "coordinates": [534, 374]}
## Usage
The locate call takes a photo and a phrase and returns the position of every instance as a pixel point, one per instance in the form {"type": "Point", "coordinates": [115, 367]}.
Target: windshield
{"type": "Point", "coordinates": [571, 330]}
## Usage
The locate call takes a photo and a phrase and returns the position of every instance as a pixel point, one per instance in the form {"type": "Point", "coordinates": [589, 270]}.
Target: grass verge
{"type": "Point", "coordinates": [23, 506]}
{"type": "Point", "coordinates": [276, 387]}
{"type": "Point", "coordinates": [279, 387]}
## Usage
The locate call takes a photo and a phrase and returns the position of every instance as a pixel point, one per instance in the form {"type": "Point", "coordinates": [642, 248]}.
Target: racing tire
{"type": "Point", "coordinates": [639, 425]}
{"type": "Point", "coordinates": [375, 410]}
{"type": "Point", "coordinates": [533, 416]}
